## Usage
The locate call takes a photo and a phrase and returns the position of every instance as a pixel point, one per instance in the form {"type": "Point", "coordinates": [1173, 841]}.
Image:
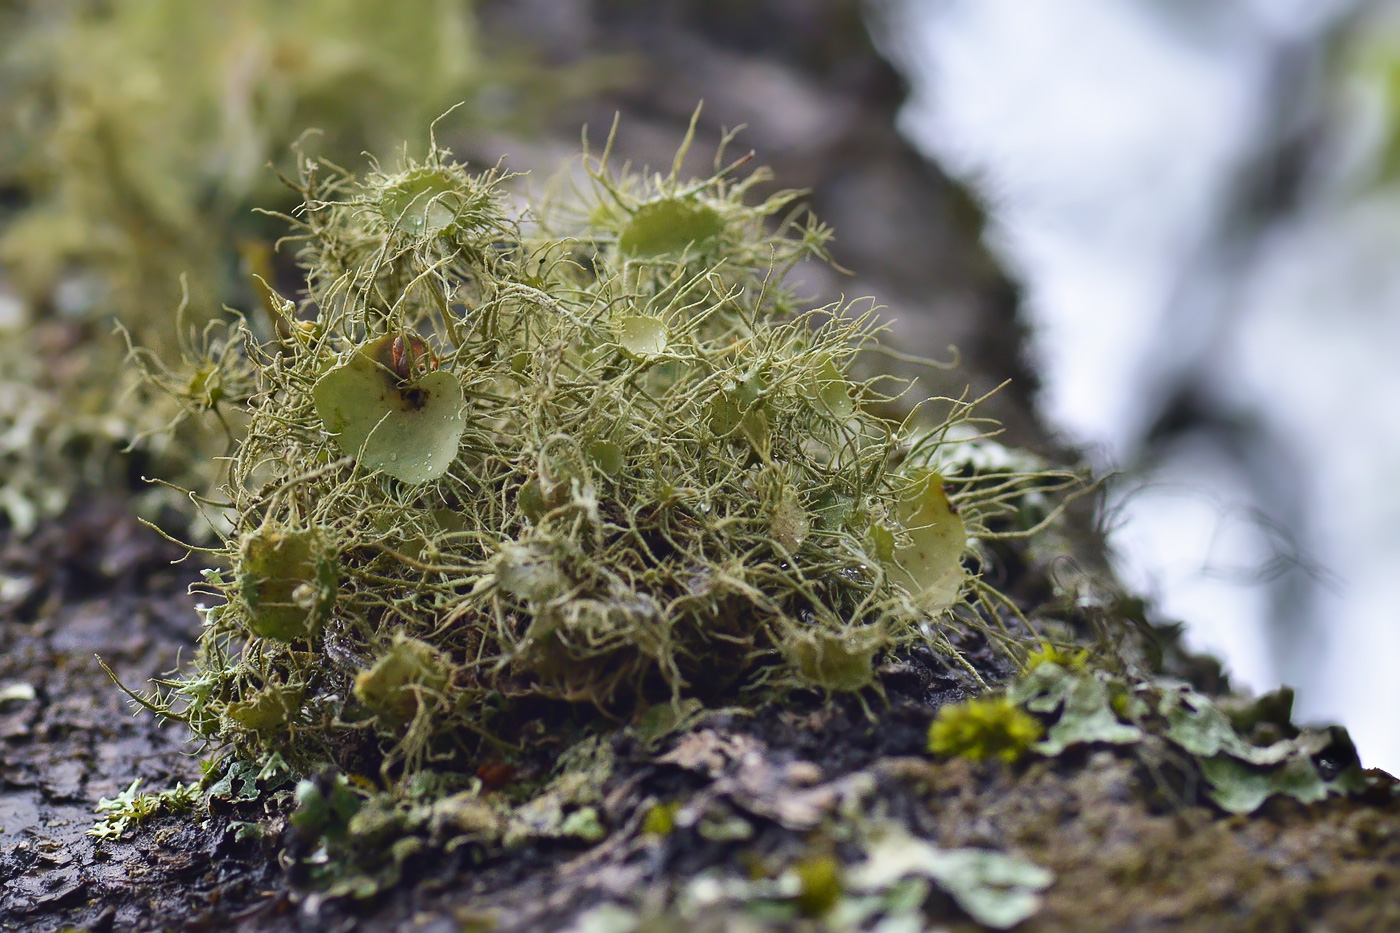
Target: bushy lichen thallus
{"type": "Point", "coordinates": [594, 451]}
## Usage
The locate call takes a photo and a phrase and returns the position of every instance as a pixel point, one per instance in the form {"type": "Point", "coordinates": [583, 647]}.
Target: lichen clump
{"type": "Point", "coordinates": [984, 727]}
{"type": "Point", "coordinates": [593, 451]}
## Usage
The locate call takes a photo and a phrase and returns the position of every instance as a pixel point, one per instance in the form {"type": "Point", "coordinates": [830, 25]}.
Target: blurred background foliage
{"type": "Point", "coordinates": [1366, 81]}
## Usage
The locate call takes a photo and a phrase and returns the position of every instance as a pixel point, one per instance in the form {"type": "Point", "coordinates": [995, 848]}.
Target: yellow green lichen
{"type": "Point", "coordinates": [820, 888]}
{"type": "Point", "coordinates": [984, 727]}
{"type": "Point", "coordinates": [660, 820]}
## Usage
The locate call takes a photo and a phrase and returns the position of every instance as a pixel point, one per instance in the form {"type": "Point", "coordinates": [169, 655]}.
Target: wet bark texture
{"type": "Point", "coordinates": [1127, 851]}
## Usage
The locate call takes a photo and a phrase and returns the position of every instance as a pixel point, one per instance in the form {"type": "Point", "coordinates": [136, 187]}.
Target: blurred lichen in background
{"type": "Point", "coordinates": [135, 142]}
{"type": "Point", "coordinates": [1367, 87]}
{"type": "Point", "coordinates": [140, 134]}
